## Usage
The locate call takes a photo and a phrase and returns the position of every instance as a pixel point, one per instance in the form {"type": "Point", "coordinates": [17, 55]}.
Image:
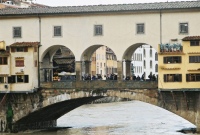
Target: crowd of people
{"type": "Point", "coordinates": [99, 77]}
{"type": "Point", "coordinates": [152, 77]}
{"type": "Point", "coordinates": [142, 78]}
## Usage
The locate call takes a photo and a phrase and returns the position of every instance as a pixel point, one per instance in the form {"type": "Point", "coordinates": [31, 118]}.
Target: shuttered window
{"type": "Point", "coordinates": [57, 31]}
{"type": "Point", "coordinates": [172, 77]}
{"type": "Point", "coordinates": [19, 62]}
{"type": "Point", "coordinates": [193, 77]}
{"type": "Point", "coordinates": [140, 28]}
{"type": "Point", "coordinates": [98, 30]}
{"type": "Point", "coordinates": [3, 61]}
{"type": "Point", "coordinates": [18, 79]}
{"type": "Point", "coordinates": [17, 32]}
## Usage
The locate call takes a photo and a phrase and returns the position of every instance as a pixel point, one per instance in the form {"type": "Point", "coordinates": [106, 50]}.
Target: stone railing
{"type": "Point", "coordinates": [100, 85]}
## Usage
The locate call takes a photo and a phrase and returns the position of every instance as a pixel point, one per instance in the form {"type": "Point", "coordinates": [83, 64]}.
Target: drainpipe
{"type": "Point", "coordinates": [39, 50]}
{"type": "Point", "coordinates": [160, 27]}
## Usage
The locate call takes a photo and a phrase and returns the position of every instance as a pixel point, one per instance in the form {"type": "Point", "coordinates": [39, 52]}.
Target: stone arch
{"type": "Point", "coordinates": [101, 59]}
{"type": "Point", "coordinates": [47, 65]}
{"type": "Point", "coordinates": [127, 58]}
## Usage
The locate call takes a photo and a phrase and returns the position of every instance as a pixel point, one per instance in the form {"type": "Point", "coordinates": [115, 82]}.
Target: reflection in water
{"type": "Point", "coordinates": [121, 118]}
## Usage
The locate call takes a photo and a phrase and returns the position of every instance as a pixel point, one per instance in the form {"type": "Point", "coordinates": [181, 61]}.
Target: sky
{"type": "Point", "coordinates": [96, 2]}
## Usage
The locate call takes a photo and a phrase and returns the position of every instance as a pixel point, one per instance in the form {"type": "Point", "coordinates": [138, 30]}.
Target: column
{"type": "Point", "coordinates": [197, 108]}
{"type": "Point", "coordinates": [87, 67]}
{"type": "Point", "coordinates": [128, 68]}
{"type": "Point", "coordinates": [119, 71]}
{"type": "Point", "coordinates": [78, 70]}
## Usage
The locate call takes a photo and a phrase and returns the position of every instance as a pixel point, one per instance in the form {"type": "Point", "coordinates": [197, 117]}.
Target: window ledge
{"type": "Point", "coordinates": [171, 68]}
{"type": "Point", "coordinates": [171, 53]}
{"type": "Point", "coordinates": [198, 69]}
{"type": "Point", "coordinates": [193, 52]}
{"type": "Point", "coordinates": [19, 73]}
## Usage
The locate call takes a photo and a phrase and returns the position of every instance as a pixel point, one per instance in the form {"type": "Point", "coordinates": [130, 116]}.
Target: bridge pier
{"type": "Point", "coordinates": [88, 67]}
{"type": "Point", "coordinates": [197, 118]}
{"type": "Point", "coordinates": [128, 68]}
{"type": "Point", "coordinates": [78, 70]}
{"type": "Point", "coordinates": [119, 70]}
{"type": "Point", "coordinates": [36, 125]}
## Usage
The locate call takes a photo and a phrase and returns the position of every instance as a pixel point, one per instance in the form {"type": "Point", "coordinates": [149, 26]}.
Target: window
{"type": "Point", "coordinates": [140, 28]}
{"type": "Point", "coordinates": [57, 31]}
{"type": "Point", "coordinates": [3, 61]}
{"type": "Point", "coordinates": [144, 64]}
{"type": "Point", "coordinates": [98, 30]}
{"type": "Point", "coordinates": [144, 53]}
{"type": "Point", "coordinates": [18, 79]}
{"type": "Point", "coordinates": [156, 68]}
{"type": "Point", "coordinates": [17, 32]}
{"type": "Point", "coordinates": [156, 56]}
{"type": "Point", "coordinates": [194, 59]}
{"type": "Point", "coordinates": [151, 64]}
{"type": "Point", "coordinates": [19, 49]}
{"type": "Point", "coordinates": [150, 52]}
{"type": "Point", "coordinates": [172, 77]}
{"type": "Point", "coordinates": [2, 79]}
{"type": "Point", "coordinates": [194, 43]}
{"type": "Point", "coordinates": [175, 59]}
{"type": "Point", "coordinates": [19, 62]}
{"type": "Point", "coordinates": [183, 28]}
{"type": "Point", "coordinates": [193, 77]}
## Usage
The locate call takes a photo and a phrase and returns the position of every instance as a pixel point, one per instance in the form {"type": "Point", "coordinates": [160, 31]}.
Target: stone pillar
{"type": "Point", "coordinates": [128, 68]}
{"type": "Point", "coordinates": [119, 71]}
{"type": "Point", "coordinates": [87, 67]}
{"type": "Point", "coordinates": [197, 118]}
{"type": "Point", "coordinates": [78, 70]}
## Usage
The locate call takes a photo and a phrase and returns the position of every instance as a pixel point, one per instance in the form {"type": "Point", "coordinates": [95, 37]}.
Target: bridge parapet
{"type": "Point", "coordinates": [100, 84]}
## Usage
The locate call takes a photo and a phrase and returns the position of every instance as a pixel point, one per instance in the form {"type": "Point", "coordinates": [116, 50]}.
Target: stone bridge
{"type": "Point", "coordinates": [41, 109]}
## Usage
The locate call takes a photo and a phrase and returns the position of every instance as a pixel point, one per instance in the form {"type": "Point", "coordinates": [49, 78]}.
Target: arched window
{"type": "Point", "coordinates": [144, 64]}
{"type": "Point", "coordinates": [150, 52]}
{"type": "Point", "coordinates": [150, 64]}
{"type": "Point", "coordinates": [156, 56]}
{"type": "Point", "coordinates": [144, 53]}
{"type": "Point", "coordinates": [156, 68]}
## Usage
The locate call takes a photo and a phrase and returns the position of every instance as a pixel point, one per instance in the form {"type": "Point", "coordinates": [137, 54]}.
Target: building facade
{"type": "Point", "coordinates": [145, 61]}
{"type": "Point", "coordinates": [122, 28]}
{"type": "Point", "coordinates": [19, 67]}
{"type": "Point", "coordinates": [179, 65]}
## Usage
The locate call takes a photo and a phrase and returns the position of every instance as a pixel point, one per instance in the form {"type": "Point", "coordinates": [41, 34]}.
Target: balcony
{"type": "Point", "coordinates": [171, 49]}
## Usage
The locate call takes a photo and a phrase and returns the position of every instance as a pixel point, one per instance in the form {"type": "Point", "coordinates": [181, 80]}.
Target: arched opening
{"type": "Point", "coordinates": [139, 61]}
{"type": "Point", "coordinates": [99, 62]}
{"type": "Point", "coordinates": [58, 64]}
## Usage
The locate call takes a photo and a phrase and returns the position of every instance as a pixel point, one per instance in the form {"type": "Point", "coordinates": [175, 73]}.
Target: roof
{"type": "Point", "coordinates": [189, 38]}
{"type": "Point", "coordinates": [25, 44]}
{"type": "Point", "coordinates": [102, 8]}
{"type": "Point", "coordinates": [64, 61]}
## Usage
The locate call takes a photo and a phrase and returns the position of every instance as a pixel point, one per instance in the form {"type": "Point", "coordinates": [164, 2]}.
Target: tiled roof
{"type": "Point", "coordinates": [22, 44]}
{"type": "Point", "coordinates": [64, 61]}
{"type": "Point", "coordinates": [103, 8]}
{"type": "Point", "coordinates": [191, 38]}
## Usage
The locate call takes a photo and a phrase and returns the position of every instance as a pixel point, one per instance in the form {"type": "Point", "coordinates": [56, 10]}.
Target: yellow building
{"type": "Point", "coordinates": [179, 65]}
{"type": "Point", "coordinates": [19, 67]}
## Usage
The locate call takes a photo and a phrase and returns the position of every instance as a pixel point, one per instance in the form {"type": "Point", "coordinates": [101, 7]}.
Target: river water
{"type": "Point", "coordinates": [119, 118]}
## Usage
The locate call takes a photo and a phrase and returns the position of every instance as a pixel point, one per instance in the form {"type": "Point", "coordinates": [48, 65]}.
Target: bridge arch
{"type": "Point", "coordinates": [55, 59]}
{"type": "Point", "coordinates": [129, 66]}
{"type": "Point", "coordinates": [95, 61]}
